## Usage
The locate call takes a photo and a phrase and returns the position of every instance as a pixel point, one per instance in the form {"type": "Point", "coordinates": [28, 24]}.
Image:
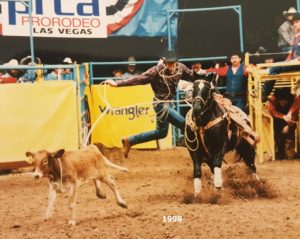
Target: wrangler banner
{"type": "Point", "coordinates": [131, 113]}
{"type": "Point", "coordinates": [86, 18]}
{"type": "Point", "coordinates": [35, 117]}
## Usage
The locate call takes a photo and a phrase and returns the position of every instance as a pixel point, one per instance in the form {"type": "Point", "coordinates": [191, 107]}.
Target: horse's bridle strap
{"type": "Point", "coordinates": [215, 121]}
{"type": "Point", "coordinates": [201, 130]}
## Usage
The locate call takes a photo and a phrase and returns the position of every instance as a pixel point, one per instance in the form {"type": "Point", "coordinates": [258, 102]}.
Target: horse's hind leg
{"type": "Point", "coordinates": [247, 152]}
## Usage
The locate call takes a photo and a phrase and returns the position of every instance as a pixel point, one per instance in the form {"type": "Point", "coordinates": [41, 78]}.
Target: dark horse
{"type": "Point", "coordinates": [210, 133]}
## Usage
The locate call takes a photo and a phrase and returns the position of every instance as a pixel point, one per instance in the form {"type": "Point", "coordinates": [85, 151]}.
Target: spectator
{"type": "Point", "coordinates": [295, 53]}
{"type": "Point", "coordinates": [284, 107]}
{"type": "Point", "coordinates": [54, 75]}
{"type": "Point", "coordinates": [67, 73]}
{"type": "Point", "coordinates": [131, 68]}
{"type": "Point", "coordinates": [118, 73]}
{"type": "Point", "coordinates": [286, 31]}
{"type": "Point", "coordinates": [30, 74]}
{"type": "Point", "coordinates": [197, 66]}
{"type": "Point", "coordinates": [164, 79]}
{"type": "Point", "coordinates": [236, 80]}
{"type": "Point", "coordinates": [11, 75]}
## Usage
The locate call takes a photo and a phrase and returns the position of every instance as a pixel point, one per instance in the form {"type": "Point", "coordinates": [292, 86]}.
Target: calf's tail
{"type": "Point", "coordinates": [107, 162]}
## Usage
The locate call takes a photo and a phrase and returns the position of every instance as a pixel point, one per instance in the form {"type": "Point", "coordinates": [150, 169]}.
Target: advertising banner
{"type": "Point", "coordinates": [36, 117]}
{"type": "Point", "coordinates": [131, 112]}
{"type": "Point", "coordinates": [86, 18]}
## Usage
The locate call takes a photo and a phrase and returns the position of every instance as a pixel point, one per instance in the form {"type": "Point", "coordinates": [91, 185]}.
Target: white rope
{"type": "Point", "coordinates": [187, 140]}
{"type": "Point", "coordinates": [61, 177]}
{"type": "Point", "coordinates": [94, 126]}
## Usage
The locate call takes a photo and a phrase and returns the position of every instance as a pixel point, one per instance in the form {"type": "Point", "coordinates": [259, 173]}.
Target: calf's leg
{"type": "Point", "coordinates": [99, 191]}
{"type": "Point", "coordinates": [111, 184]}
{"type": "Point", "coordinates": [51, 200]}
{"type": "Point", "coordinates": [72, 202]}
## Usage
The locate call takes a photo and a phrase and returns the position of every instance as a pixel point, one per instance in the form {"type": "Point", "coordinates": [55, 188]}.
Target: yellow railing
{"type": "Point", "coordinates": [261, 120]}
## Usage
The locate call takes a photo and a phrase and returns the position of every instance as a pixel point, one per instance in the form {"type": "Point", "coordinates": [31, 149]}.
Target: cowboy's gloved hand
{"type": "Point", "coordinates": [111, 83]}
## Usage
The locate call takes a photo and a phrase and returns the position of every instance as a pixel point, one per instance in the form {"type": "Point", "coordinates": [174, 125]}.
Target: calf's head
{"type": "Point", "coordinates": [43, 161]}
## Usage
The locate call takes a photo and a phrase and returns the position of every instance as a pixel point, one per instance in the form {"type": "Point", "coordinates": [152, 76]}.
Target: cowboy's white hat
{"type": "Point", "coordinates": [12, 62]}
{"type": "Point", "coordinates": [67, 60]}
{"type": "Point", "coordinates": [290, 11]}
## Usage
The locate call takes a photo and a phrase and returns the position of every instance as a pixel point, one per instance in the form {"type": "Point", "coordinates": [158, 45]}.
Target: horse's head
{"type": "Point", "coordinates": [201, 99]}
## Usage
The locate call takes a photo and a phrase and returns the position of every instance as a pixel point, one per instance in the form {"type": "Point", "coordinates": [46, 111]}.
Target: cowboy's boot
{"type": "Point", "coordinates": [126, 147]}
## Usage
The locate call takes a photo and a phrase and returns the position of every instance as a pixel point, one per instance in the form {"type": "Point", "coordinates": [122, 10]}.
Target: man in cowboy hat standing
{"type": "Point", "coordinates": [294, 54]}
{"type": "Point", "coordinates": [286, 31]}
{"type": "Point", "coordinates": [164, 79]}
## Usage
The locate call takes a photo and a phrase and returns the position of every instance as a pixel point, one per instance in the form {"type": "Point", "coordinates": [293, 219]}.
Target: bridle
{"type": "Point", "coordinates": [203, 103]}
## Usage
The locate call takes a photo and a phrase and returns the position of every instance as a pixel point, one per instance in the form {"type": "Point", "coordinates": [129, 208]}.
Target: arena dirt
{"type": "Point", "coordinates": [160, 184]}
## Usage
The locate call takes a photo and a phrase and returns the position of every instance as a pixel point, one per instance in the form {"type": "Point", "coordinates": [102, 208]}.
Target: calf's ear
{"type": "Point", "coordinates": [59, 153]}
{"type": "Point", "coordinates": [28, 154]}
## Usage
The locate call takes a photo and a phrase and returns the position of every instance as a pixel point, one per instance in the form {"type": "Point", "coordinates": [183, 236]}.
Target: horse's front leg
{"type": "Point", "coordinates": [217, 164]}
{"type": "Point", "coordinates": [197, 172]}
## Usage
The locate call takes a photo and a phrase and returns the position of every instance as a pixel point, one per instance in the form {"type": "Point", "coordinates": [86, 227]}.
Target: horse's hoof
{"type": "Point", "coordinates": [218, 188]}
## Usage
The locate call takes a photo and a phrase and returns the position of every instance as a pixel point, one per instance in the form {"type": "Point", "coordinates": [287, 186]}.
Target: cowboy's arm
{"type": "Point", "coordinates": [272, 109]}
{"type": "Point", "coordinates": [142, 79]}
{"type": "Point", "coordinates": [221, 71]}
{"type": "Point", "coordinates": [187, 74]}
{"type": "Point", "coordinates": [295, 106]}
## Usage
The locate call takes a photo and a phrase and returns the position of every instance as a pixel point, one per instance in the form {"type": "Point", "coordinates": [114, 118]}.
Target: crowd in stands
{"type": "Point", "coordinates": [16, 75]}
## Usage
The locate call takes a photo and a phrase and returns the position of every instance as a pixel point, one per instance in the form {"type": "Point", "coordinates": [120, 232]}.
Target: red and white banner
{"type": "Point", "coordinates": [67, 18]}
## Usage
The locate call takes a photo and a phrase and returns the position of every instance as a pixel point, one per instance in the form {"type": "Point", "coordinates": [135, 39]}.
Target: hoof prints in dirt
{"type": "Point", "coordinates": [207, 198]}
{"type": "Point", "coordinates": [163, 197]}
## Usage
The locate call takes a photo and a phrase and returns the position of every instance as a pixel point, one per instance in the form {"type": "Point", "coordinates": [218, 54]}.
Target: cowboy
{"type": "Point", "coordinates": [131, 69]}
{"type": "Point", "coordinates": [286, 31]}
{"type": "Point", "coordinates": [284, 108]}
{"type": "Point", "coordinates": [164, 79]}
{"type": "Point", "coordinates": [236, 80]}
{"type": "Point", "coordinates": [294, 55]}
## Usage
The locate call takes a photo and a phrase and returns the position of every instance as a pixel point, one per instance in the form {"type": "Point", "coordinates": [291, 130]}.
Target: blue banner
{"type": "Point", "coordinates": [150, 20]}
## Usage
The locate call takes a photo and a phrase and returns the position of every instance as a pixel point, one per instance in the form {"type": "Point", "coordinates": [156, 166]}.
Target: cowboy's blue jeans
{"type": "Point", "coordinates": [164, 116]}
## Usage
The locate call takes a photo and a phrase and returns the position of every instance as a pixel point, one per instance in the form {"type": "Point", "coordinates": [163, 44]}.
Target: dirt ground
{"type": "Point", "coordinates": [160, 184]}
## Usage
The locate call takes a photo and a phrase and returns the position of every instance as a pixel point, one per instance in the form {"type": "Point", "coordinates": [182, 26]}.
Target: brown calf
{"type": "Point", "coordinates": [69, 169]}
